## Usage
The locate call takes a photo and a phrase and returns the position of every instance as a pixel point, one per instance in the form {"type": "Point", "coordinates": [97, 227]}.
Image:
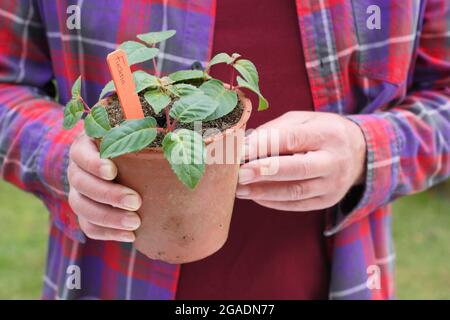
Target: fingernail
{"type": "Point", "coordinates": [131, 221]}
{"type": "Point", "coordinates": [246, 175]}
{"type": "Point", "coordinates": [131, 201]}
{"type": "Point", "coordinates": [128, 237]}
{"type": "Point", "coordinates": [269, 166]}
{"type": "Point", "coordinates": [108, 171]}
{"type": "Point", "coordinates": [242, 191]}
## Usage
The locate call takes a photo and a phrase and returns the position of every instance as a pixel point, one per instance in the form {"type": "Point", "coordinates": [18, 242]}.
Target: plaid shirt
{"type": "Point", "coordinates": [393, 82]}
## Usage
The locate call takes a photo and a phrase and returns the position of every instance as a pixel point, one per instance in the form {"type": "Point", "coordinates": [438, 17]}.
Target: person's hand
{"type": "Point", "coordinates": [321, 156]}
{"type": "Point", "coordinates": [105, 209]}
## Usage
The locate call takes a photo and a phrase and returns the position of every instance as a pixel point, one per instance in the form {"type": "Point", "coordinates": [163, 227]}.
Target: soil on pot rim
{"type": "Point", "coordinates": [116, 117]}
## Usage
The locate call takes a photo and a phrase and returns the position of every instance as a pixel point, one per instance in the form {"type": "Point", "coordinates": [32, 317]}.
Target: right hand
{"type": "Point", "coordinates": [105, 209]}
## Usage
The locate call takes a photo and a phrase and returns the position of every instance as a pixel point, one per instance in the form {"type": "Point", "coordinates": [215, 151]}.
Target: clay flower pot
{"type": "Point", "coordinates": [180, 225]}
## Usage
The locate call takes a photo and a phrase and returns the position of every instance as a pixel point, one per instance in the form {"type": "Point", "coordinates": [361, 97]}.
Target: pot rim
{"type": "Point", "coordinates": [247, 105]}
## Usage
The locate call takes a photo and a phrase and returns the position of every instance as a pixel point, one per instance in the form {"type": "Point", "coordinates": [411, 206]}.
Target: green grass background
{"type": "Point", "coordinates": [421, 232]}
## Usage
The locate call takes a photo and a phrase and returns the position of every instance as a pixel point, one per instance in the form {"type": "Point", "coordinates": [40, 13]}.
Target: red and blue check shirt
{"type": "Point", "coordinates": [393, 82]}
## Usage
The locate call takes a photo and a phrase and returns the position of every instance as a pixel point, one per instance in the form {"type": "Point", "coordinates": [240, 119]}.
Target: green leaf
{"type": "Point", "coordinates": [184, 75]}
{"type": "Point", "coordinates": [223, 58]}
{"type": "Point", "coordinates": [185, 151]}
{"type": "Point", "coordinates": [130, 136]}
{"type": "Point", "coordinates": [192, 108]}
{"type": "Point", "coordinates": [157, 99]}
{"type": "Point", "coordinates": [226, 99]}
{"type": "Point", "coordinates": [263, 103]}
{"type": "Point", "coordinates": [220, 58]}
{"type": "Point", "coordinates": [108, 88]}
{"type": "Point", "coordinates": [137, 52]}
{"type": "Point", "coordinates": [96, 124]}
{"type": "Point", "coordinates": [152, 38]}
{"type": "Point", "coordinates": [183, 89]}
{"type": "Point", "coordinates": [143, 80]}
{"type": "Point", "coordinates": [72, 113]}
{"type": "Point", "coordinates": [76, 88]}
{"type": "Point", "coordinates": [235, 56]}
{"type": "Point", "coordinates": [248, 71]}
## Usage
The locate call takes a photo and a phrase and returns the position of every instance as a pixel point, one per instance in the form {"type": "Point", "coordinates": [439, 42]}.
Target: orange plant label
{"type": "Point", "coordinates": [123, 81]}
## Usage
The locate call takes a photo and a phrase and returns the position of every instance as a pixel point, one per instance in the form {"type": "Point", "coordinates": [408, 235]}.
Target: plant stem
{"type": "Point", "coordinates": [166, 110]}
{"type": "Point", "coordinates": [174, 123]}
{"type": "Point", "coordinates": [158, 129]}
{"type": "Point", "coordinates": [155, 66]}
{"type": "Point", "coordinates": [86, 107]}
{"type": "Point", "coordinates": [232, 78]}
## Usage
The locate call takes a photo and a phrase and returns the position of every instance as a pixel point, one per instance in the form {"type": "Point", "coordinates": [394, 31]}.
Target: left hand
{"type": "Point", "coordinates": [321, 156]}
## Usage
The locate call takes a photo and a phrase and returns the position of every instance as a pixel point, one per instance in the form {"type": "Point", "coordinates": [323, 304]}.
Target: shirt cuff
{"type": "Point", "coordinates": [382, 167]}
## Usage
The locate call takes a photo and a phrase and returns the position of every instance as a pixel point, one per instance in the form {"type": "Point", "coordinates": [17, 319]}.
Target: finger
{"type": "Point", "coordinates": [102, 191]}
{"type": "Point", "coordinates": [95, 232]}
{"type": "Point", "coordinates": [287, 168]}
{"type": "Point", "coordinates": [282, 191]}
{"type": "Point", "coordinates": [85, 154]}
{"type": "Point", "coordinates": [312, 204]}
{"type": "Point", "coordinates": [102, 215]}
{"type": "Point", "coordinates": [273, 141]}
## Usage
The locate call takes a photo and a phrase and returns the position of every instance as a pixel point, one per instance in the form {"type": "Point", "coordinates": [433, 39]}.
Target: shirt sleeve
{"type": "Point", "coordinates": [34, 148]}
{"type": "Point", "coordinates": [408, 145]}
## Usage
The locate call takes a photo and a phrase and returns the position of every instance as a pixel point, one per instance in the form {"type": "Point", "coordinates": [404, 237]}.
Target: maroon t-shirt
{"type": "Point", "coordinates": [269, 254]}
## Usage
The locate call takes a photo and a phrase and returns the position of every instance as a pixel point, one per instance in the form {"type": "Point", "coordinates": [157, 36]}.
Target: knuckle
{"type": "Point", "coordinates": [296, 191]}
{"type": "Point", "coordinates": [70, 172]}
{"type": "Point", "coordinates": [303, 169]}
{"type": "Point", "coordinates": [110, 196]}
{"type": "Point", "coordinates": [104, 234]}
{"type": "Point", "coordinates": [293, 141]}
{"type": "Point", "coordinates": [105, 219]}
{"type": "Point", "coordinates": [74, 200]}
{"type": "Point", "coordinates": [71, 199]}
{"type": "Point", "coordinates": [92, 166]}
{"type": "Point", "coordinates": [76, 203]}
{"type": "Point", "coordinates": [75, 180]}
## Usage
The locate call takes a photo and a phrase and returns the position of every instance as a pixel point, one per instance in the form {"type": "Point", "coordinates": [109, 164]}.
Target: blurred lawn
{"type": "Point", "coordinates": [421, 231]}
{"type": "Point", "coordinates": [23, 241]}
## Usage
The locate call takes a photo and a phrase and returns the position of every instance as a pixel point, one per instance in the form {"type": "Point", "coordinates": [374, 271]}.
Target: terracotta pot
{"type": "Point", "coordinates": [180, 225]}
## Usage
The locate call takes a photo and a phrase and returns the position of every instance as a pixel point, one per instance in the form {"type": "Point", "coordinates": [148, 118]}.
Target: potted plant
{"type": "Point", "coordinates": [183, 156]}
